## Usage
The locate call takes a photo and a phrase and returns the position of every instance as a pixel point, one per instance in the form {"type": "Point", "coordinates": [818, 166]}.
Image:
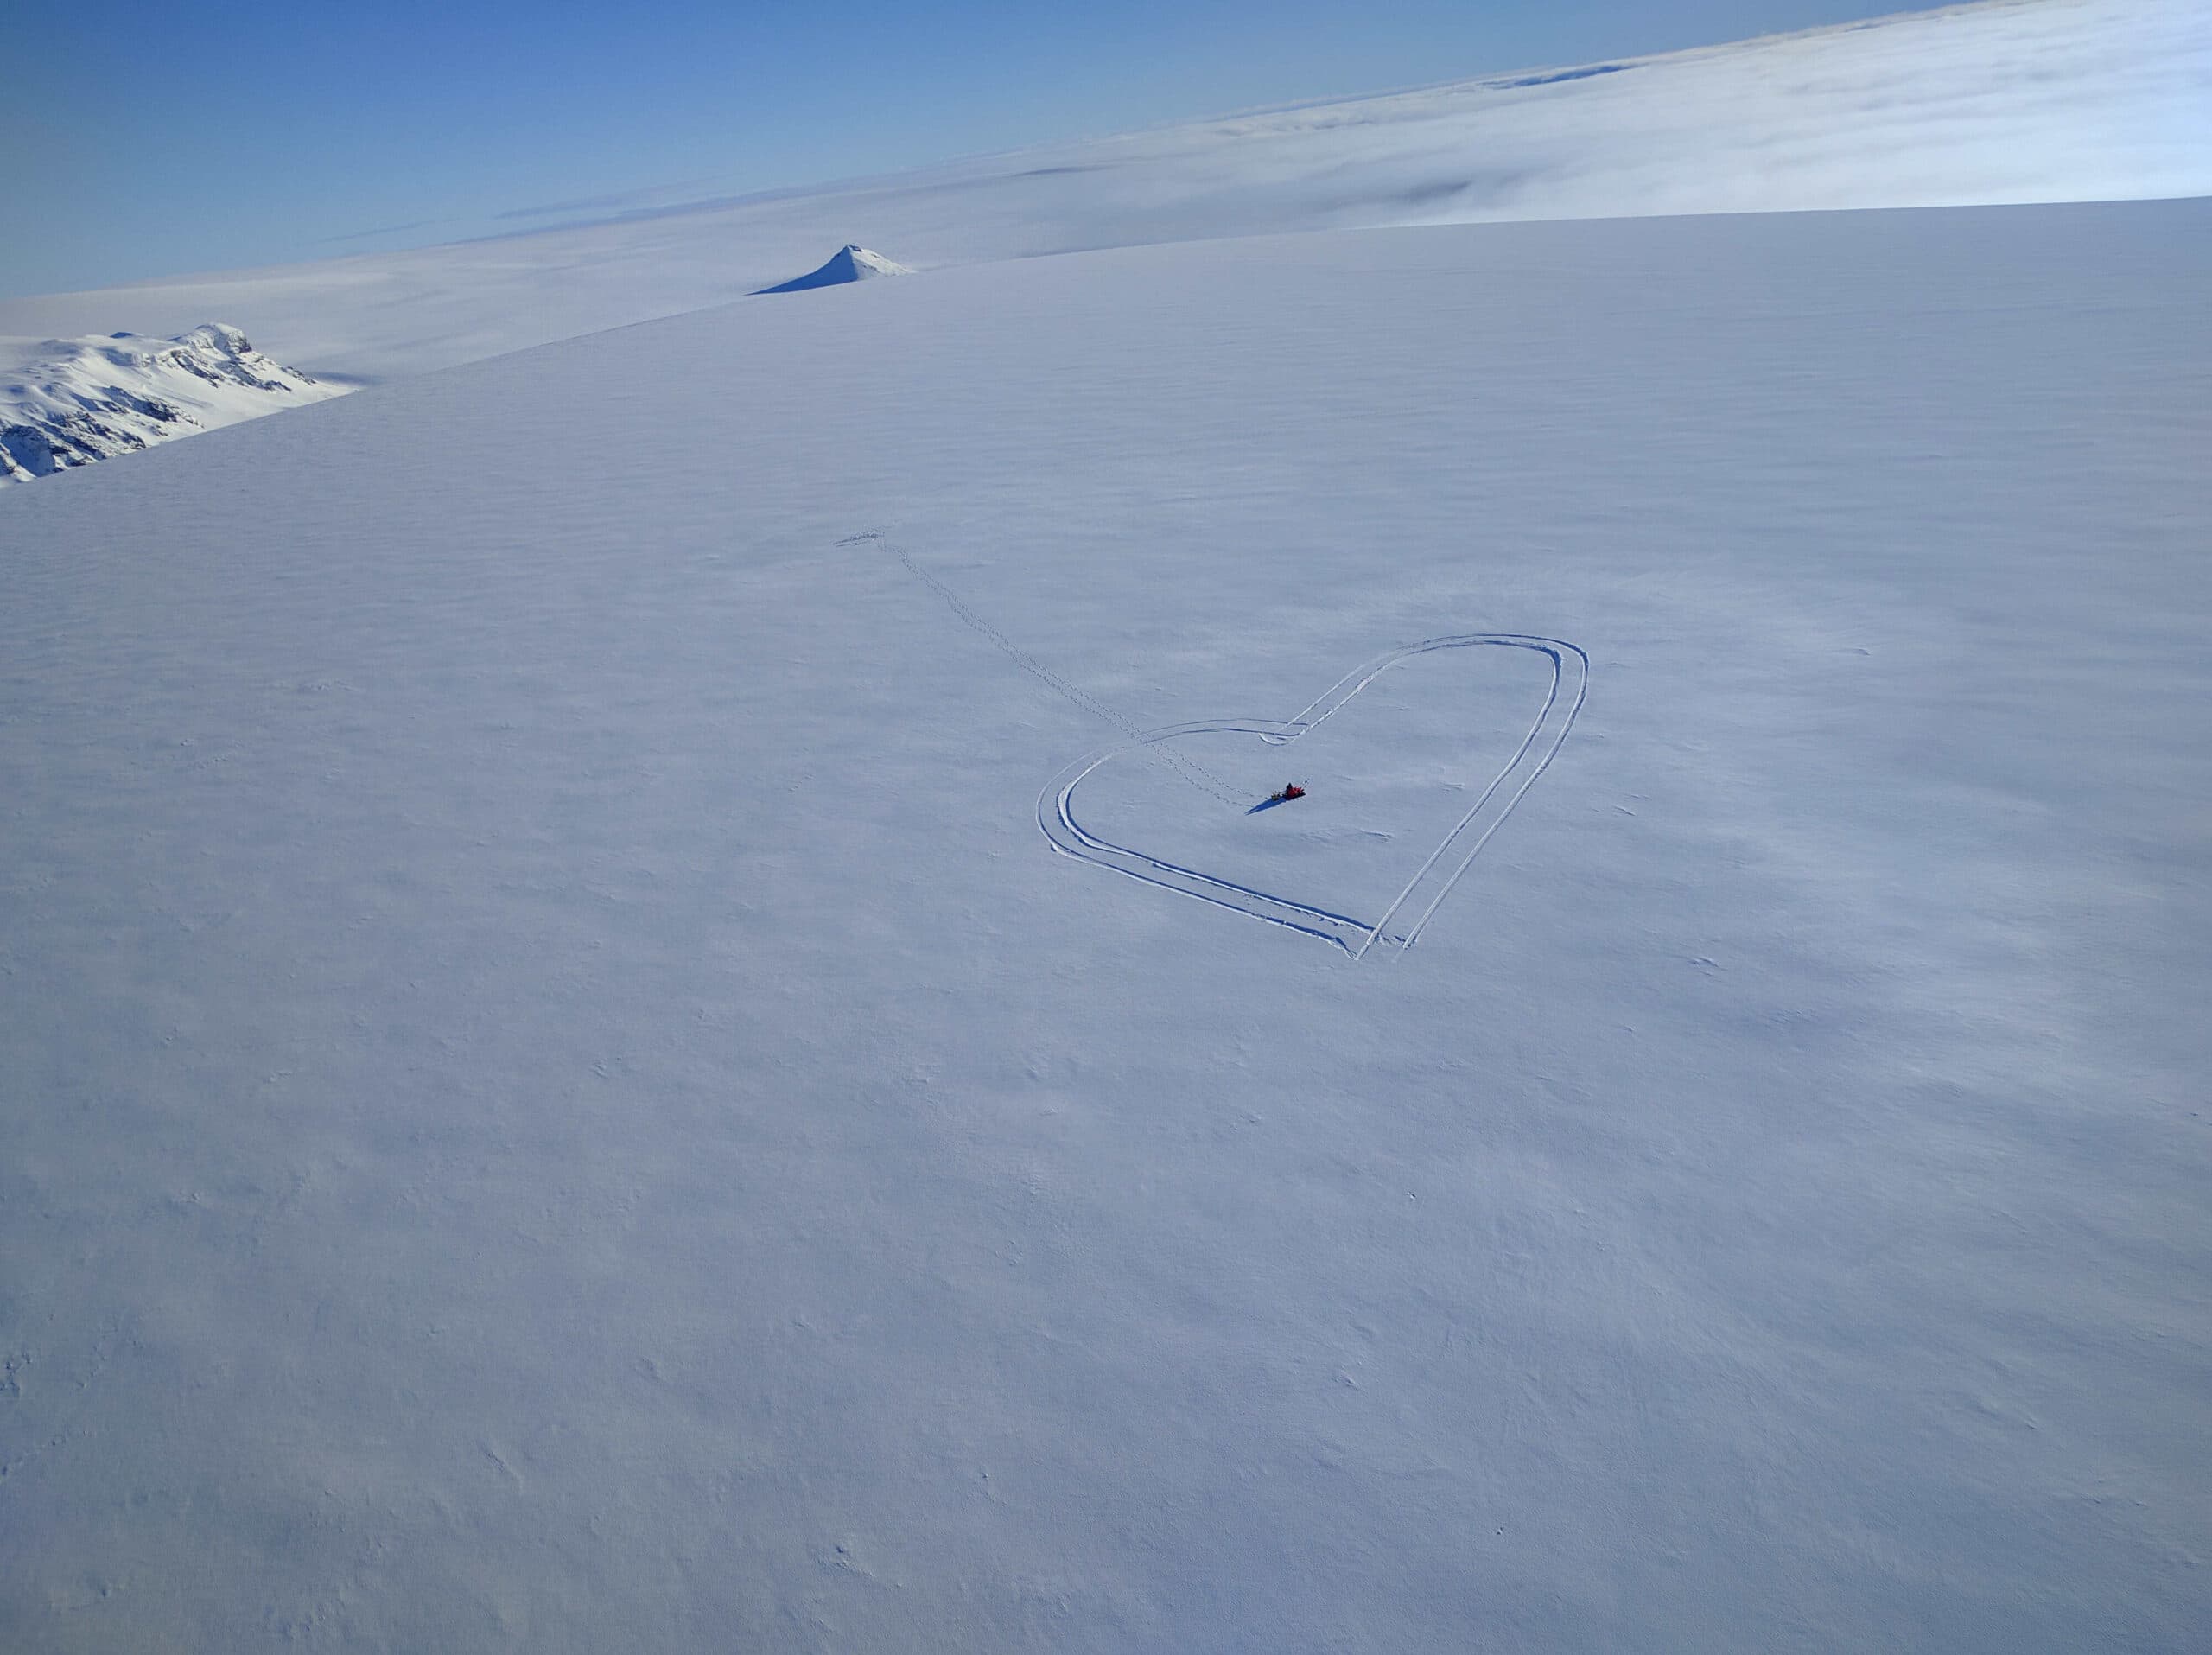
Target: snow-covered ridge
{"type": "Point", "coordinates": [65, 403]}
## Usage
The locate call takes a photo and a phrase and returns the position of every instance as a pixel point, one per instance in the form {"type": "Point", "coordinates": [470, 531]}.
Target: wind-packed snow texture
{"type": "Point", "coordinates": [2010, 101]}
{"type": "Point", "coordinates": [557, 1097]}
{"type": "Point", "coordinates": [848, 263]}
{"type": "Point", "coordinates": [68, 402]}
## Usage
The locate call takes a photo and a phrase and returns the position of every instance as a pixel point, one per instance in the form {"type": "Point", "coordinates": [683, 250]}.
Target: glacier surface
{"type": "Point", "coordinates": [557, 1099]}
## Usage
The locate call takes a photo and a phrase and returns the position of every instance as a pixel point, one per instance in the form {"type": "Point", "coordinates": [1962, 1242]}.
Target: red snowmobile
{"type": "Point", "coordinates": [1291, 790]}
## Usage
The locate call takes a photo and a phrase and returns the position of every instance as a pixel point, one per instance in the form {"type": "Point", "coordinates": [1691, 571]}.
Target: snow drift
{"type": "Point", "coordinates": [68, 403]}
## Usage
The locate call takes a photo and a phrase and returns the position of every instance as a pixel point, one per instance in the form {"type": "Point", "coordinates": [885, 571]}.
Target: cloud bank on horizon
{"type": "Point", "coordinates": [2006, 101]}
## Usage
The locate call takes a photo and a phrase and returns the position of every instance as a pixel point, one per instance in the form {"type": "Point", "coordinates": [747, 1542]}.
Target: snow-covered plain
{"type": "Point", "coordinates": [557, 1099]}
{"type": "Point", "coordinates": [2008, 101]}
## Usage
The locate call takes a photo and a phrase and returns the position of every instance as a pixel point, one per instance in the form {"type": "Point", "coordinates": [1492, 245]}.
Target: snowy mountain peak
{"type": "Point", "coordinates": [850, 263]}
{"type": "Point", "coordinates": [65, 403]}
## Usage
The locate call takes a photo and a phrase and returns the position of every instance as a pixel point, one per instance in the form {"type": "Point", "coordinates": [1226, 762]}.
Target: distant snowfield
{"type": "Point", "coordinates": [2011, 101]}
{"type": "Point", "coordinates": [557, 1098]}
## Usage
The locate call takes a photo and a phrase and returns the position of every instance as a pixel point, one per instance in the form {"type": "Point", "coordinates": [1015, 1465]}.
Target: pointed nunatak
{"type": "Point", "coordinates": [848, 263]}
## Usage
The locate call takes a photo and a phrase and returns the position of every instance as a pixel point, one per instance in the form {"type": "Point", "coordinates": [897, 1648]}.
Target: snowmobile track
{"type": "Point", "coordinates": [1431, 881]}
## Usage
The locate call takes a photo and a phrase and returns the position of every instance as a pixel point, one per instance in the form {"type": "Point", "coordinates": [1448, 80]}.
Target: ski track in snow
{"type": "Point", "coordinates": [1431, 883]}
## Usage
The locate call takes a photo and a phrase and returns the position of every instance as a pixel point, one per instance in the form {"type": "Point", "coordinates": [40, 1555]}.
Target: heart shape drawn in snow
{"type": "Point", "coordinates": [1402, 921]}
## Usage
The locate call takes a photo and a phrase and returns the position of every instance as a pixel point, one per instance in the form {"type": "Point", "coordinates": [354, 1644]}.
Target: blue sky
{"type": "Point", "coordinates": [170, 136]}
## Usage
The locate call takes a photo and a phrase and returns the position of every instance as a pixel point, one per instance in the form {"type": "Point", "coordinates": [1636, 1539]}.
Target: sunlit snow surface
{"type": "Point", "coordinates": [557, 1098]}
{"type": "Point", "coordinates": [2041, 100]}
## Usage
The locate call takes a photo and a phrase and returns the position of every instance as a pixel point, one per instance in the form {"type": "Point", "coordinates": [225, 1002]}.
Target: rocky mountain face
{"type": "Point", "coordinates": [65, 403]}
